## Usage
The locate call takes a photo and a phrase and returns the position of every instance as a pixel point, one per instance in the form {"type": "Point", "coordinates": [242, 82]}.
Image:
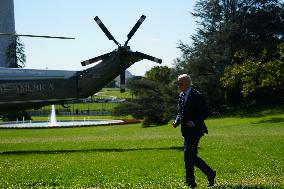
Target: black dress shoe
{"type": "Point", "coordinates": [192, 185]}
{"type": "Point", "coordinates": [211, 179]}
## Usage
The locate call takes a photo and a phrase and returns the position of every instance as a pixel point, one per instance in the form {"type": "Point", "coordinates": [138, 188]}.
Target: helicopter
{"type": "Point", "coordinates": [22, 89]}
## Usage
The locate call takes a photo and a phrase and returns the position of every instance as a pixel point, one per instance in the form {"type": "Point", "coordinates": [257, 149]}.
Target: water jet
{"type": "Point", "coordinates": [53, 123]}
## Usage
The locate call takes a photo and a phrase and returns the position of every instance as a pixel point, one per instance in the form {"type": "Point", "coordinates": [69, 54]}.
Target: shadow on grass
{"type": "Point", "coordinates": [271, 120]}
{"type": "Point", "coordinates": [251, 112]}
{"type": "Point", "coordinates": [242, 186]}
{"type": "Point", "coordinates": [86, 150]}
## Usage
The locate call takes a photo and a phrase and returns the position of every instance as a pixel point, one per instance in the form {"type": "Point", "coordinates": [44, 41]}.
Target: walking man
{"type": "Point", "coordinates": [192, 111]}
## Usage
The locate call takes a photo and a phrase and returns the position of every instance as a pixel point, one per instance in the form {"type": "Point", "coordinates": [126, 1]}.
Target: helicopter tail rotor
{"type": "Point", "coordinates": [134, 29]}
{"type": "Point", "coordinates": [123, 53]}
{"type": "Point", "coordinates": [140, 56]}
{"type": "Point", "coordinates": [122, 82]}
{"type": "Point", "coordinates": [148, 57]}
{"type": "Point", "coordinates": [96, 59]}
{"type": "Point", "coordinates": [105, 30]}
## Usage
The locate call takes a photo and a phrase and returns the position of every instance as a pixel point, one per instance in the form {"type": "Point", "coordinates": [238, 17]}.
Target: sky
{"type": "Point", "coordinates": [167, 23]}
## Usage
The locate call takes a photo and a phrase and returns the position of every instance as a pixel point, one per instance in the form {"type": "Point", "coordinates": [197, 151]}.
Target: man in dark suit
{"type": "Point", "coordinates": [192, 111]}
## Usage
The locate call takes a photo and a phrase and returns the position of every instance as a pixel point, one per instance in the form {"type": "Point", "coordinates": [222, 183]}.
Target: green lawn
{"type": "Point", "coordinates": [79, 117]}
{"type": "Point", "coordinates": [95, 106]}
{"type": "Point", "coordinates": [247, 152]}
{"type": "Point", "coordinates": [115, 92]}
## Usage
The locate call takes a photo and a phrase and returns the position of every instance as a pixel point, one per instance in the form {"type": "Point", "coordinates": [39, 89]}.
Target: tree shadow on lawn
{"type": "Point", "coordinates": [270, 120]}
{"type": "Point", "coordinates": [242, 186]}
{"type": "Point", "coordinates": [87, 150]}
{"type": "Point", "coordinates": [251, 112]}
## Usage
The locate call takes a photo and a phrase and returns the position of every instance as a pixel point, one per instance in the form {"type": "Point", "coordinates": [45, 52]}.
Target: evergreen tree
{"type": "Point", "coordinates": [15, 58]}
{"type": "Point", "coordinates": [155, 99]}
{"type": "Point", "coordinates": [226, 27]}
{"type": "Point", "coordinates": [15, 54]}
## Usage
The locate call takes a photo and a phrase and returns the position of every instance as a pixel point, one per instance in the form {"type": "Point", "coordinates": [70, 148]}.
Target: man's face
{"type": "Point", "coordinates": [183, 84]}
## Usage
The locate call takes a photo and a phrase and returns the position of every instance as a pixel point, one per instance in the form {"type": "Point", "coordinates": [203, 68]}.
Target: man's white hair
{"type": "Point", "coordinates": [185, 77]}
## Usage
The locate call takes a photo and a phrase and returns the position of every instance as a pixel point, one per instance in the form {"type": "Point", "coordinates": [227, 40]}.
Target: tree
{"type": "Point", "coordinates": [226, 27]}
{"type": "Point", "coordinates": [255, 77]}
{"type": "Point", "coordinates": [15, 54]}
{"type": "Point", "coordinates": [154, 100]}
{"type": "Point", "coordinates": [159, 73]}
{"type": "Point", "coordinates": [15, 58]}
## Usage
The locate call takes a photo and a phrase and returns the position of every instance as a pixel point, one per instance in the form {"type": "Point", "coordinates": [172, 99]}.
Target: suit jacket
{"type": "Point", "coordinates": [195, 110]}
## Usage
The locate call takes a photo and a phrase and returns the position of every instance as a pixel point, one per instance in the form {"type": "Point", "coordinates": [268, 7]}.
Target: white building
{"type": "Point", "coordinates": [7, 25]}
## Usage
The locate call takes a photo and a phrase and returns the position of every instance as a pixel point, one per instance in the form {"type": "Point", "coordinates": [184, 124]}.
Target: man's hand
{"type": "Point", "coordinates": [174, 124]}
{"type": "Point", "coordinates": [190, 124]}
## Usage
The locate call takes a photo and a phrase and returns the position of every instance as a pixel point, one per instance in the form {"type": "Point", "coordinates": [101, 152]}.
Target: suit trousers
{"type": "Point", "coordinates": [191, 159]}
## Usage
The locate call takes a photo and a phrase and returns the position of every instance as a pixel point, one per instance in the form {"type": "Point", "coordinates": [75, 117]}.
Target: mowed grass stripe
{"type": "Point", "coordinates": [246, 152]}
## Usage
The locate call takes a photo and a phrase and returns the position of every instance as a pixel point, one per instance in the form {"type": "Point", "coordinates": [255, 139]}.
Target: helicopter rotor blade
{"type": "Point", "coordinates": [41, 36]}
{"type": "Point", "coordinates": [122, 82]}
{"type": "Point", "coordinates": [96, 59]}
{"type": "Point", "coordinates": [148, 57]}
{"type": "Point", "coordinates": [105, 30]}
{"type": "Point", "coordinates": [135, 27]}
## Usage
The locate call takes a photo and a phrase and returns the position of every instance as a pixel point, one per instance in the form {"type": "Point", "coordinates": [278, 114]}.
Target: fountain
{"type": "Point", "coordinates": [53, 123]}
